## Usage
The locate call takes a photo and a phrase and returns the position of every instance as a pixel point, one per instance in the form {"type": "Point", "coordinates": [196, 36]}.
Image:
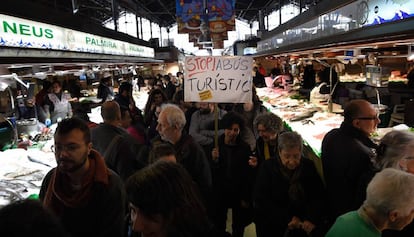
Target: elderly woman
{"type": "Point", "coordinates": [396, 150]}
{"type": "Point", "coordinates": [164, 202]}
{"type": "Point", "coordinates": [232, 176]}
{"type": "Point", "coordinates": [288, 195]}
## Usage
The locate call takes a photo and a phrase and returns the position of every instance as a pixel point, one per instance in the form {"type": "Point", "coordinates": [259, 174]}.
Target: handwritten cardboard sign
{"type": "Point", "coordinates": [223, 79]}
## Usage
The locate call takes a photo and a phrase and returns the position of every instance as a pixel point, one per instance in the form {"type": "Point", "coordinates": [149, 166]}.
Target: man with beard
{"type": "Point", "coordinates": [87, 197]}
{"type": "Point", "coordinates": [268, 127]}
{"type": "Point", "coordinates": [189, 154]}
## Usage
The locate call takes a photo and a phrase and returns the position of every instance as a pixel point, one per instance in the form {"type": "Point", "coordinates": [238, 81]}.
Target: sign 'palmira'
{"type": "Point", "coordinates": [17, 32]}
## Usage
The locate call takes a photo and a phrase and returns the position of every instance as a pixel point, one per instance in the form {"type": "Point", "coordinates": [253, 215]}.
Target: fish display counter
{"type": "Point", "coordinates": [22, 172]}
{"type": "Point", "coordinates": [23, 167]}
{"type": "Point", "coordinates": [311, 121]}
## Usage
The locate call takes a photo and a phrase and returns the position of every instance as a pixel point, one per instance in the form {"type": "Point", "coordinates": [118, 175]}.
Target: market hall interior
{"type": "Point", "coordinates": [304, 71]}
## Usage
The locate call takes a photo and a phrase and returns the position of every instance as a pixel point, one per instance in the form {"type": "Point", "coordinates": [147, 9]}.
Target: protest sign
{"type": "Point", "coordinates": [224, 79]}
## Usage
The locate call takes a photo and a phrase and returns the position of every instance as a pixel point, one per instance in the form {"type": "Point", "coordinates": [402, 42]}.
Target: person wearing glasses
{"type": "Point", "coordinates": [88, 198]}
{"type": "Point", "coordinates": [289, 193]}
{"type": "Point", "coordinates": [268, 126]}
{"type": "Point", "coordinates": [346, 156]}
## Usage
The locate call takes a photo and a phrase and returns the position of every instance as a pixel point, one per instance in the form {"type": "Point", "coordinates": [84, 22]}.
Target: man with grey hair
{"type": "Point", "coordinates": [389, 204]}
{"type": "Point", "coordinates": [189, 154]}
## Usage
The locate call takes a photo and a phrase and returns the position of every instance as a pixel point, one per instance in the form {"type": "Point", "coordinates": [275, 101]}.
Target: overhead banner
{"type": "Point", "coordinates": [17, 32]}
{"type": "Point", "coordinates": [218, 79]}
{"type": "Point", "coordinates": [191, 18]}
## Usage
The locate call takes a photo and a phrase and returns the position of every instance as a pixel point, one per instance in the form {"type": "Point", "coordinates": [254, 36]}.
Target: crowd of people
{"type": "Point", "coordinates": [169, 171]}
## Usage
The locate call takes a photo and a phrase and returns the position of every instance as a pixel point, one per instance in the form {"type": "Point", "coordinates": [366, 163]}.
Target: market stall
{"type": "Point", "coordinates": [310, 120]}
{"type": "Point", "coordinates": [22, 171]}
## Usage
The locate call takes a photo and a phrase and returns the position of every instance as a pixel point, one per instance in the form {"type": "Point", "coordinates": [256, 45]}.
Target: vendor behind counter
{"type": "Point", "coordinates": [57, 103]}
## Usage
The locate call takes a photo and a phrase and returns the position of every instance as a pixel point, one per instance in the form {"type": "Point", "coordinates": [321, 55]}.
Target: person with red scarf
{"type": "Point", "coordinates": [87, 197]}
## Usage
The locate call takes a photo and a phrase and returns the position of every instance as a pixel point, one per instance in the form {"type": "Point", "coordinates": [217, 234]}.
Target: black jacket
{"type": "Point", "coordinates": [125, 156]}
{"type": "Point", "coordinates": [232, 175]}
{"type": "Point", "coordinates": [274, 207]}
{"type": "Point", "coordinates": [103, 92]}
{"type": "Point", "coordinates": [345, 158]}
{"type": "Point", "coordinates": [192, 157]}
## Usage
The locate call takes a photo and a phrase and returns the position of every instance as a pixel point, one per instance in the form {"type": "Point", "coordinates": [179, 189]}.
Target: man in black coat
{"type": "Point", "coordinates": [346, 156]}
{"type": "Point", "coordinates": [121, 151]}
{"type": "Point", "coordinates": [189, 154]}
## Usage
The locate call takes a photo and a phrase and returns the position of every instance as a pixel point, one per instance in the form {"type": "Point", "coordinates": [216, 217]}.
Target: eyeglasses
{"type": "Point", "coordinates": [264, 131]}
{"type": "Point", "coordinates": [68, 148]}
{"type": "Point", "coordinates": [368, 118]}
{"type": "Point", "coordinates": [236, 130]}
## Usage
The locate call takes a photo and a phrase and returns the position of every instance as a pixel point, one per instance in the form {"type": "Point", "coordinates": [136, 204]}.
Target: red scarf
{"type": "Point", "coordinates": [59, 194]}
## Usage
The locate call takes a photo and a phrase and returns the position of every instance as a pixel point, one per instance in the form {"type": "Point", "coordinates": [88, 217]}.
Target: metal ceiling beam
{"type": "Point", "coordinates": [143, 11]}
{"type": "Point", "coordinates": [165, 8]}
{"type": "Point", "coordinates": [243, 12]}
{"type": "Point", "coordinates": [255, 8]}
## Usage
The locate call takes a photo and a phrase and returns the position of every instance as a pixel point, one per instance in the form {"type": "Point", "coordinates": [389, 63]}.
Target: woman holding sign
{"type": "Point", "coordinates": [232, 176]}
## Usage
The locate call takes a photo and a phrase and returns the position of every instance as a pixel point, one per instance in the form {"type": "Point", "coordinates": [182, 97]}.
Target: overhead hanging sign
{"type": "Point", "coordinates": [218, 79]}
{"type": "Point", "coordinates": [17, 32]}
{"type": "Point", "coordinates": [195, 15]}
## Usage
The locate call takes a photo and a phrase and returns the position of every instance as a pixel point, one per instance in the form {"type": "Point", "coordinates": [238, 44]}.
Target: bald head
{"type": "Point", "coordinates": [362, 115]}
{"type": "Point", "coordinates": [110, 112]}
{"type": "Point", "coordinates": [355, 108]}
